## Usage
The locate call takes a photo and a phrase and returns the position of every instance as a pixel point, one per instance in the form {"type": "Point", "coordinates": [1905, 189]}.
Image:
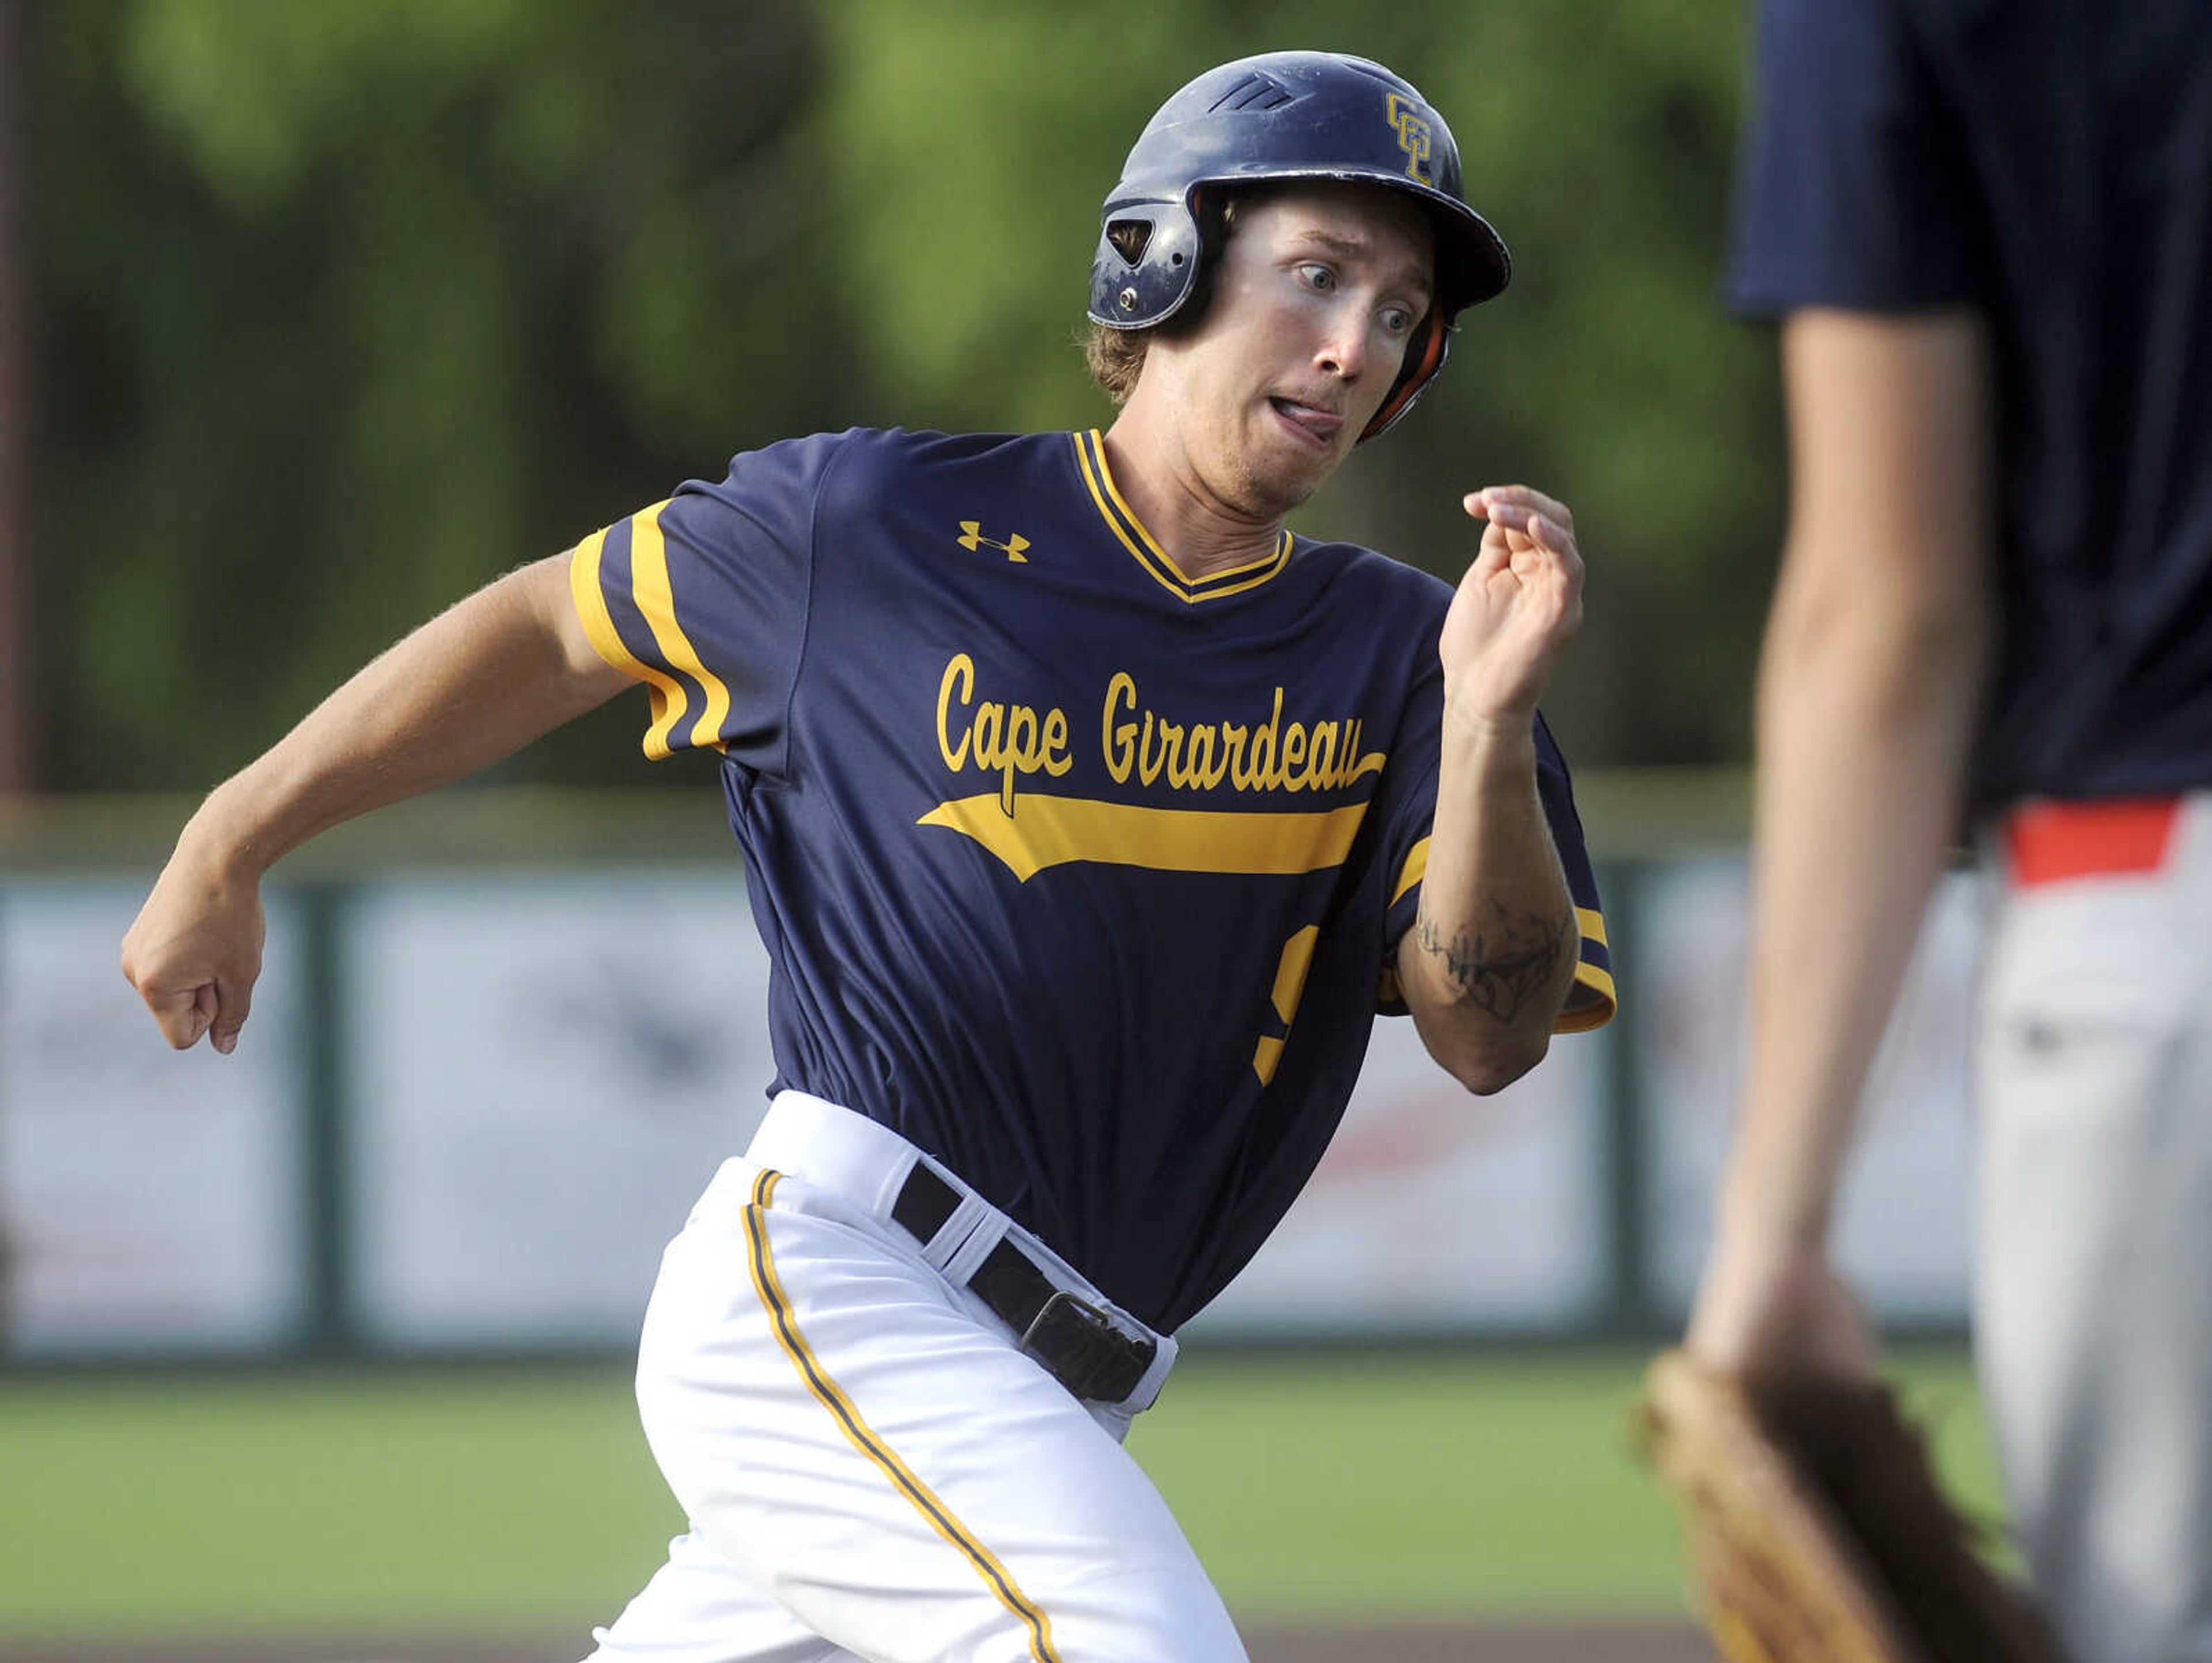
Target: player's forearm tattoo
{"type": "Point", "coordinates": [1506, 961]}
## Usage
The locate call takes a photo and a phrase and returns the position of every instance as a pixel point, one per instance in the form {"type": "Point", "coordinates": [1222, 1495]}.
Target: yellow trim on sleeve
{"type": "Point", "coordinates": [656, 601]}
{"type": "Point", "coordinates": [1593, 923]}
{"type": "Point", "coordinates": [665, 690]}
{"type": "Point", "coordinates": [864, 1438]}
{"type": "Point", "coordinates": [1416, 869]}
{"type": "Point", "coordinates": [1581, 1018]}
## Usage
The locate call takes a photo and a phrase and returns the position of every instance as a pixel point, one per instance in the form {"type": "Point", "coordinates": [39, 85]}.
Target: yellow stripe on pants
{"type": "Point", "coordinates": [863, 1437]}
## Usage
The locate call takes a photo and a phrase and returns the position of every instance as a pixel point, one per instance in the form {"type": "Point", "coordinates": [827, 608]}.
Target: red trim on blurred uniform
{"type": "Point", "coordinates": [2050, 842]}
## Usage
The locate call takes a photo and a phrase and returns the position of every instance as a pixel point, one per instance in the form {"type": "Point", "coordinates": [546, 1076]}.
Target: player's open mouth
{"type": "Point", "coordinates": [1317, 427]}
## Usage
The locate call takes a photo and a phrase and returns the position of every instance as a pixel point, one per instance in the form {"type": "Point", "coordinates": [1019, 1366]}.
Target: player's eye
{"type": "Point", "coordinates": [1397, 319]}
{"type": "Point", "coordinates": [1317, 277]}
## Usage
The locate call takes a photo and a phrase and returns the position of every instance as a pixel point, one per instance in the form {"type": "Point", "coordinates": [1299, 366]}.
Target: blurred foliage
{"type": "Point", "coordinates": [343, 308]}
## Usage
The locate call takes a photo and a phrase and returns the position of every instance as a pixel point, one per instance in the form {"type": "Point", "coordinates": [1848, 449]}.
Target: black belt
{"type": "Point", "coordinates": [1075, 1340]}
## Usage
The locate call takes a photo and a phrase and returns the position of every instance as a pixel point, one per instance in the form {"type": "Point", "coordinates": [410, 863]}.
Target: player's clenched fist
{"type": "Point", "coordinates": [1517, 607]}
{"type": "Point", "coordinates": [195, 950]}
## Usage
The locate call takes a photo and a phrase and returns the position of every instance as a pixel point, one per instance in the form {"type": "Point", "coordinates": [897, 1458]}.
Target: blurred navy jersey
{"type": "Point", "coordinates": [2049, 165]}
{"type": "Point", "coordinates": [1082, 876]}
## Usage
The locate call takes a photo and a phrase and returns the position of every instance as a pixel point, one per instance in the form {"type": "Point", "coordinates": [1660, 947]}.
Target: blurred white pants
{"type": "Point", "coordinates": [2094, 1266]}
{"type": "Point", "coordinates": [872, 1466]}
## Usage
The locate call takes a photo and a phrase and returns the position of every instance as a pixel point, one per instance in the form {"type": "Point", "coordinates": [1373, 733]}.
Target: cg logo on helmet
{"type": "Point", "coordinates": [1415, 137]}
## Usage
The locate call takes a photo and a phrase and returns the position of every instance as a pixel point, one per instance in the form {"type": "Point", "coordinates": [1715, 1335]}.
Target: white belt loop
{"type": "Point", "coordinates": [947, 1250]}
{"type": "Point", "coordinates": [984, 1234]}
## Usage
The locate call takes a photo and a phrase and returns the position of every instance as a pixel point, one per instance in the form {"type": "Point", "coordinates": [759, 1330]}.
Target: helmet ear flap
{"type": "Point", "coordinates": [1146, 262]}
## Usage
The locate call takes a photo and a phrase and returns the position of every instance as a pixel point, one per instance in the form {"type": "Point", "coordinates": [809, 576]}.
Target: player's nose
{"type": "Point", "coordinates": [1343, 350]}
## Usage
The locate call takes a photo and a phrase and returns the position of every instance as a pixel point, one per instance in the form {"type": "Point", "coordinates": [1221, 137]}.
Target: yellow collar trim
{"type": "Point", "coordinates": [1145, 548]}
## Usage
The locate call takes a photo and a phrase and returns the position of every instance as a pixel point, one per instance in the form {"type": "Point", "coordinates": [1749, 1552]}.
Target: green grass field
{"type": "Point", "coordinates": [1432, 1486]}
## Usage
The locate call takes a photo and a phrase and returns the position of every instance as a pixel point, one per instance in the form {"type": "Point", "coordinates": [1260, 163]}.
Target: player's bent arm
{"type": "Point", "coordinates": [1490, 960]}
{"type": "Point", "coordinates": [1876, 652]}
{"type": "Point", "coordinates": [473, 685]}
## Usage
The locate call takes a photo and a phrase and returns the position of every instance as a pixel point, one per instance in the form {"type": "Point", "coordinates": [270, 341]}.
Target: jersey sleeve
{"type": "Point", "coordinates": [1406, 842]}
{"type": "Point", "coordinates": [704, 598]}
{"type": "Point", "coordinates": [1853, 187]}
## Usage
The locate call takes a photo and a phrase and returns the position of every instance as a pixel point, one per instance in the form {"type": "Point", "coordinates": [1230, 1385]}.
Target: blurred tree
{"type": "Point", "coordinates": [343, 308]}
{"type": "Point", "coordinates": [19, 764]}
{"type": "Point", "coordinates": [346, 308]}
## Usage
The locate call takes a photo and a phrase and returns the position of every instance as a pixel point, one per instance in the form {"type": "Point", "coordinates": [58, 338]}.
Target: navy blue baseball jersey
{"type": "Point", "coordinates": [1083, 876]}
{"type": "Point", "coordinates": [2050, 165]}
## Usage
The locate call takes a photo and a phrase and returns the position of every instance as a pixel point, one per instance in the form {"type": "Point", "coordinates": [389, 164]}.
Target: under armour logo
{"type": "Point", "coordinates": [972, 538]}
{"type": "Point", "coordinates": [1415, 137]}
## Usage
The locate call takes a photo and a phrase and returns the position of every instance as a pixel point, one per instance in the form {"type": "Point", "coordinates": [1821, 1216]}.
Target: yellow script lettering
{"type": "Point", "coordinates": [1233, 734]}
{"type": "Point", "coordinates": [1205, 773]}
{"type": "Point", "coordinates": [1057, 761]}
{"type": "Point", "coordinates": [962, 669]}
{"type": "Point", "coordinates": [1294, 753]}
{"type": "Point", "coordinates": [1010, 740]}
{"type": "Point", "coordinates": [1141, 744]}
{"type": "Point", "coordinates": [1321, 762]}
{"type": "Point", "coordinates": [1148, 765]}
{"type": "Point", "coordinates": [990, 722]}
{"type": "Point", "coordinates": [1121, 742]}
{"type": "Point", "coordinates": [1260, 777]}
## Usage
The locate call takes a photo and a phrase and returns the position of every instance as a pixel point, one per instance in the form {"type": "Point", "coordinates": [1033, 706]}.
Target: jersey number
{"type": "Point", "coordinates": [1290, 983]}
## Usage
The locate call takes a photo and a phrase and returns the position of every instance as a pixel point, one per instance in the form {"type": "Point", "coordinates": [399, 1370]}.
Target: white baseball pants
{"type": "Point", "coordinates": [871, 1467]}
{"type": "Point", "coordinates": [2094, 1266]}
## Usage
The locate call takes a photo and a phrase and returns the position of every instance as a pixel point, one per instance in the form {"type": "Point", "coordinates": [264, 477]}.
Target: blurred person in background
{"type": "Point", "coordinates": [1984, 231]}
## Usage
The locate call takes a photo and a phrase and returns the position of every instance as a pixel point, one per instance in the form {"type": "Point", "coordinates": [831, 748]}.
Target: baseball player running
{"type": "Point", "coordinates": [1089, 815]}
{"type": "Point", "coordinates": [1988, 231]}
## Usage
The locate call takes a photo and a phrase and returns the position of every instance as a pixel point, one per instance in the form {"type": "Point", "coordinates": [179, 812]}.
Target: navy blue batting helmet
{"type": "Point", "coordinates": [1288, 116]}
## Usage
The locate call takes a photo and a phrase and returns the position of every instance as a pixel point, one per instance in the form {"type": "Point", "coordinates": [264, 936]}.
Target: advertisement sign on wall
{"type": "Point", "coordinates": [1905, 1221]}
{"type": "Point", "coordinates": [150, 1200]}
{"type": "Point", "coordinates": [544, 1072]}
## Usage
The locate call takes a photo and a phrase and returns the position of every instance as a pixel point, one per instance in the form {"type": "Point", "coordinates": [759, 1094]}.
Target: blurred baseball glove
{"type": "Point", "coordinates": [1816, 1529]}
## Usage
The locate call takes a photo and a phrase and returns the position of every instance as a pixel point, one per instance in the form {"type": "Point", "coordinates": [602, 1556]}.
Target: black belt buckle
{"type": "Point", "coordinates": [1084, 1351]}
